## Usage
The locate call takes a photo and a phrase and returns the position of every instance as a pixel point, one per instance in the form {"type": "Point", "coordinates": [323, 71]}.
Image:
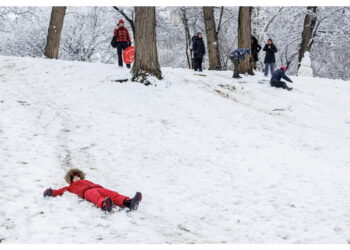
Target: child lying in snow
{"type": "Point", "coordinates": [101, 197]}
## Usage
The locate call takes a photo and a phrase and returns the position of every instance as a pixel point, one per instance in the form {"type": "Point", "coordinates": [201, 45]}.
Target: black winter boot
{"type": "Point", "coordinates": [133, 203]}
{"type": "Point", "coordinates": [107, 204]}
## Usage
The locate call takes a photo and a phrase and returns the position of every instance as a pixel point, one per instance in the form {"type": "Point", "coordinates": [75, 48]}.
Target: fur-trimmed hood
{"type": "Point", "coordinates": [69, 173]}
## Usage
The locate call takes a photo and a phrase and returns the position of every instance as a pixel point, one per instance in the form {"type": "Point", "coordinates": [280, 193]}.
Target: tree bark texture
{"type": "Point", "coordinates": [244, 38]}
{"type": "Point", "coordinates": [306, 36]}
{"type": "Point", "coordinates": [54, 32]}
{"type": "Point", "coordinates": [146, 55]}
{"type": "Point", "coordinates": [212, 38]}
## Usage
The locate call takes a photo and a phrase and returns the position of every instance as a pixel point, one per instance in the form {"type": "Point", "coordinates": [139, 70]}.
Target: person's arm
{"type": "Point", "coordinates": [58, 192]}
{"type": "Point", "coordinates": [274, 49]}
{"type": "Point", "coordinates": [194, 45]}
{"type": "Point", "coordinates": [258, 48]}
{"type": "Point", "coordinates": [285, 77]}
{"type": "Point", "coordinates": [128, 37]}
{"type": "Point", "coordinates": [116, 33]}
{"type": "Point", "coordinates": [203, 48]}
{"type": "Point", "coordinates": [265, 47]}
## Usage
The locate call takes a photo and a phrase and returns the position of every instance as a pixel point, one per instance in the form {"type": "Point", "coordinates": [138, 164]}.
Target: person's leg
{"type": "Point", "coordinates": [272, 68]}
{"type": "Point", "coordinates": [117, 198]}
{"type": "Point", "coordinates": [120, 54]}
{"type": "Point", "coordinates": [200, 60]}
{"type": "Point", "coordinates": [279, 84]}
{"type": "Point", "coordinates": [266, 71]}
{"type": "Point", "coordinates": [235, 69]}
{"type": "Point", "coordinates": [273, 83]}
{"type": "Point", "coordinates": [254, 64]}
{"type": "Point", "coordinates": [125, 46]}
{"type": "Point", "coordinates": [95, 197]}
{"type": "Point", "coordinates": [285, 86]}
{"type": "Point", "coordinates": [195, 64]}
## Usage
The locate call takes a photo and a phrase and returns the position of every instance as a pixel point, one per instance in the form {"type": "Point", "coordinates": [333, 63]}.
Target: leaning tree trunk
{"type": "Point", "coordinates": [146, 56]}
{"type": "Point", "coordinates": [244, 38]}
{"type": "Point", "coordinates": [306, 36]}
{"type": "Point", "coordinates": [212, 38]}
{"type": "Point", "coordinates": [187, 37]}
{"type": "Point", "coordinates": [54, 32]}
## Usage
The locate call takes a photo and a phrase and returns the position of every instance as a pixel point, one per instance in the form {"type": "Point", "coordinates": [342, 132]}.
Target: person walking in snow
{"type": "Point", "coordinates": [122, 38]}
{"type": "Point", "coordinates": [237, 56]}
{"type": "Point", "coordinates": [101, 197]}
{"type": "Point", "coordinates": [255, 48]}
{"type": "Point", "coordinates": [198, 51]}
{"type": "Point", "coordinates": [270, 59]}
{"type": "Point", "coordinates": [276, 78]}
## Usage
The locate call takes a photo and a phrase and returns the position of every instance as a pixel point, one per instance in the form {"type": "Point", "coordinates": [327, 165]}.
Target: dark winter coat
{"type": "Point", "coordinates": [278, 74]}
{"type": "Point", "coordinates": [255, 49]}
{"type": "Point", "coordinates": [270, 53]}
{"type": "Point", "coordinates": [239, 54]}
{"type": "Point", "coordinates": [198, 47]}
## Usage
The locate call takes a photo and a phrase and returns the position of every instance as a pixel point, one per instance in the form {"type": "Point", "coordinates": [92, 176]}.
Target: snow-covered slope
{"type": "Point", "coordinates": [217, 159]}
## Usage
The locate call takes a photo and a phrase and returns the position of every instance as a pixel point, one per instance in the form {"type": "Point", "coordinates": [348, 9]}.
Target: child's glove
{"type": "Point", "coordinates": [48, 192]}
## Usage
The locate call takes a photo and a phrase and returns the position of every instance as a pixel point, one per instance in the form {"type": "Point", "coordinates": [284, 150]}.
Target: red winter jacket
{"type": "Point", "coordinates": [122, 35]}
{"type": "Point", "coordinates": [77, 187]}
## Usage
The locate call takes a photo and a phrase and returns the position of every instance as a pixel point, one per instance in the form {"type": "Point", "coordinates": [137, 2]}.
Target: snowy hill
{"type": "Point", "coordinates": [217, 159]}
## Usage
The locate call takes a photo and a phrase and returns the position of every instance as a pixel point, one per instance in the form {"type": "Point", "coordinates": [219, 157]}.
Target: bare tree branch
{"type": "Point", "coordinates": [220, 20]}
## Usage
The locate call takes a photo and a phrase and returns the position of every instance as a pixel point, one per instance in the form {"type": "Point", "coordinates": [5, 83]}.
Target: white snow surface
{"type": "Point", "coordinates": [218, 160]}
{"type": "Point", "coordinates": [305, 66]}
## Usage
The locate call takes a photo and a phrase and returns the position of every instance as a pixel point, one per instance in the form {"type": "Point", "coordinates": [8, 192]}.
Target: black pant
{"type": "Point", "coordinates": [235, 68]}
{"type": "Point", "coordinates": [120, 47]}
{"type": "Point", "coordinates": [198, 63]}
{"type": "Point", "coordinates": [279, 84]}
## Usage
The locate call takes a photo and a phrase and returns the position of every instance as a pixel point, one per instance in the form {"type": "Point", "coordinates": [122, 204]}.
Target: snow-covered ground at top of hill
{"type": "Point", "coordinates": [218, 160]}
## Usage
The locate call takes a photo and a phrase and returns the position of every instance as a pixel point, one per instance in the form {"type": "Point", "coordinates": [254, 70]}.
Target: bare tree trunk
{"type": "Point", "coordinates": [128, 18]}
{"type": "Point", "coordinates": [212, 38]}
{"type": "Point", "coordinates": [146, 55]}
{"type": "Point", "coordinates": [244, 38]}
{"type": "Point", "coordinates": [307, 35]}
{"type": "Point", "coordinates": [54, 32]}
{"type": "Point", "coordinates": [187, 37]}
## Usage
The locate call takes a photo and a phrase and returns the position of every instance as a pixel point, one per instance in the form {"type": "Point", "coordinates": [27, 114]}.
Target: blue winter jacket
{"type": "Point", "coordinates": [278, 74]}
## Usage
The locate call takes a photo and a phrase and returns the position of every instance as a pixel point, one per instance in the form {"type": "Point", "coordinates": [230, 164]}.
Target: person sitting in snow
{"type": "Point", "coordinates": [276, 78]}
{"type": "Point", "coordinates": [101, 197]}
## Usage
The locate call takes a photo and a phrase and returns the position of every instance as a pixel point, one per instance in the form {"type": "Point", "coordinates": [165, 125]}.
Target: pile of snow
{"type": "Point", "coordinates": [305, 66]}
{"type": "Point", "coordinates": [218, 160]}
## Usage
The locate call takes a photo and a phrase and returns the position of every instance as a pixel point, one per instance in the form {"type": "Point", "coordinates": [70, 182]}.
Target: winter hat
{"type": "Point", "coordinates": [284, 68]}
{"type": "Point", "coordinates": [121, 21]}
{"type": "Point", "coordinates": [74, 172]}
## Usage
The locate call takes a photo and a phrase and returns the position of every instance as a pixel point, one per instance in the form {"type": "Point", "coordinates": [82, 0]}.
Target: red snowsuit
{"type": "Point", "coordinates": [92, 192]}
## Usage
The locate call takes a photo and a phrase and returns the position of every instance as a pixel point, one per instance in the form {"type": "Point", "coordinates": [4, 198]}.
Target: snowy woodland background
{"type": "Point", "coordinates": [217, 159]}
{"type": "Point", "coordinates": [87, 32]}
